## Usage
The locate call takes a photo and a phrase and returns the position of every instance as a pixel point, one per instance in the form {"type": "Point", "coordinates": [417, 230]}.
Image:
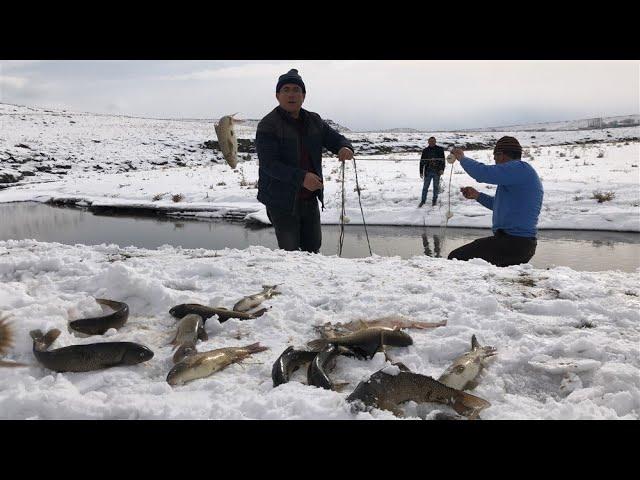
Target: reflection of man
{"type": "Point", "coordinates": [516, 205]}
{"type": "Point", "coordinates": [431, 167]}
{"type": "Point", "coordinates": [289, 143]}
{"type": "Point", "coordinates": [427, 248]}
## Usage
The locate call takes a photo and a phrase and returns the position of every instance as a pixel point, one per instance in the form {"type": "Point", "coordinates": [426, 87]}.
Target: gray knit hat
{"type": "Point", "coordinates": [291, 77]}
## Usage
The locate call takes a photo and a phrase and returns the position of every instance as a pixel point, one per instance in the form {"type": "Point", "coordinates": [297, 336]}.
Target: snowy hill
{"type": "Point", "coordinates": [585, 124]}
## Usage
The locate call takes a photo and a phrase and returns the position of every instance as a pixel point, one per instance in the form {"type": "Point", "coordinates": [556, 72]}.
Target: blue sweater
{"type": "Point", "coordinates": [518, 198]}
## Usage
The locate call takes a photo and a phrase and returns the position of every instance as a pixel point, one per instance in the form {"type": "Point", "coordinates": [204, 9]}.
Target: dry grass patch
{"type": "Point", "coordinates": [603, 196]}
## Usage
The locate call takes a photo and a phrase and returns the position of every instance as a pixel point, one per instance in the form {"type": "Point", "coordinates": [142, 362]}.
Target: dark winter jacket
{"type": "Point", "coordinates": [433, 159]}
{"type": "Point", "coordinates": [280, 176]}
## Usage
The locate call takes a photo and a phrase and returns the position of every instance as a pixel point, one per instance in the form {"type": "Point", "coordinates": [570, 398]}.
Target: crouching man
{"type": "Point", "coordinates": [516, 205]}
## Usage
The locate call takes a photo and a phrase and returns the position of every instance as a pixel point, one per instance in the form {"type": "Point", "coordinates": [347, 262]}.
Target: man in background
{"type": "Point", "coordinates": [431, 167]}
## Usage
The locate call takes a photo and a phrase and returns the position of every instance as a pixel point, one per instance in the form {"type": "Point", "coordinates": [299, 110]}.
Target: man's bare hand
{"type": "Point", "coordinates": [458, 153]}
{"type": "Point", "coordinates": [312, 182]}
{"type": "Point", "coordinates": [345, 153]}
{"type": "Point", "coordinates": [469, 192]}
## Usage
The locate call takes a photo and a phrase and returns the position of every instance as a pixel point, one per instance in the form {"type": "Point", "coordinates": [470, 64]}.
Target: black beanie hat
{"type": "Point", "coordinates": [291, 77]}
{"type": "Point", "coordinates": [507, 144]}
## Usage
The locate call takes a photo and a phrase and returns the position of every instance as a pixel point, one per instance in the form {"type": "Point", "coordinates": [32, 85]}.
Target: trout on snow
{"type": "Point", "coordinates": [387, 391]}
{"type": "Point", "coordinates": [99, 325]}
{"type": "Point", "coordinates": [205, 312]}
{"type": "Point", "coordinates": [465, 369]}
{"type": "Point", "coordinates": [190, 329]}
{"type": "Point", "coordinates": [201, 365]}
{"type": "Point", "coordinates": [288, 362]}
{"type": "Point", "coordinates": [252, 301]}
{"type": "Point", "coordinates": [365, 343]}
{"type": "Point", "coordinates": [329, 330]}
{"type": "Point", "coordinates": [84, 358]}
{"type": "Point", "coordinates": [325, 360]}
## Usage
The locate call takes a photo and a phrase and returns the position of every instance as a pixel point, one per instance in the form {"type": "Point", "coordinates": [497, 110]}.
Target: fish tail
{"type": "Point", "coordinates": [183, 351]}
{"type": "Point", "coordinates": [255, 347]}
{"type": "Point", "coordinates": [474, 343]}
{"type": "Point", "coordinates": [317, 345]}
{"type": "Point", "coordinates": [42, 342]}
{"type": "Point", "coordinates": [6, 336]}
{"type": "Point", "coordinates": [469, 405]}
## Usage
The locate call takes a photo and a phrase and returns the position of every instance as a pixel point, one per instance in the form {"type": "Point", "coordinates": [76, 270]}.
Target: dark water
{"type": "Point", "coordinates": [580, 250]}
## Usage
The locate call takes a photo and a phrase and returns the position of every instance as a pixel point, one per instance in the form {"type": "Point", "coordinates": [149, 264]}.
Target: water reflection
{"type": "Point", "coordinates": [580, 250]}
{"type": "Point", "coordinates": [427, 247]}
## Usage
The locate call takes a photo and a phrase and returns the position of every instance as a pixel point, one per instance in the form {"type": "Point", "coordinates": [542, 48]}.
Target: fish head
{"type": "Point", "coordinates": [177, 311]}
{"type": "Point", "coordinates": [178, 374]}
{"type": "Point", "coordinates": [400, 338]}
{"type": "Point", "coordinates": [137, 354]}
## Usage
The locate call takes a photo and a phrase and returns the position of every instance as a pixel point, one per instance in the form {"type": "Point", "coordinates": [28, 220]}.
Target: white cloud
{"type": "Point", "coordinates": [361, 94]}
{"type": "Point", "coordinates": [244, 72]}
{"type": "Point", "coordinates": [13, 82]}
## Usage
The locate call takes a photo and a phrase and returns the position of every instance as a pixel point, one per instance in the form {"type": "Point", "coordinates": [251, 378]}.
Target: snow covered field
{"type": "Point", "coordinates": [567, 341]}
{"type": "Point", "coordinates": [148, 163]}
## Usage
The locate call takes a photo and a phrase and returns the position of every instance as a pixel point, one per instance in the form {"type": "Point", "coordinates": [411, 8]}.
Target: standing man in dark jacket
{"type": "Point", "coordinates": [289, 142]}
{"type": "Point", "coordinates": [431, 167]}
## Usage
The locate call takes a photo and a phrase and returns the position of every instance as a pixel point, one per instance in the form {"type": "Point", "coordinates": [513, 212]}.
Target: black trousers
{"type": "Point", "coordinates": [501, 249]}
{"type": "Point", "coordinates": [300, 229]}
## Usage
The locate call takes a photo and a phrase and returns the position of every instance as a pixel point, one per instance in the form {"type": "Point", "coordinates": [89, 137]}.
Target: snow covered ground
{"type": "Point", "coordinates": [567, 341]}
{"type": "Point", "coordinates": [105, 160]}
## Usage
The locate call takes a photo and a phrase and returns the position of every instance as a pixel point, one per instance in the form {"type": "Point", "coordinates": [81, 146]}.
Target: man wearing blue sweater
{"type": "Point", "coordinates": [516, 205]}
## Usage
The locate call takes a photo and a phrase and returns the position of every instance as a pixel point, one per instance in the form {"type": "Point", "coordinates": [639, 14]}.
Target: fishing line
{"type": "Point", "coordinates": [449, 214]}
{"type": "Point", "coordinates": [360, 202]}
{"type": "Point", "coordinates": [341, 239]}
{"type": "Point", "coordinates": [342, 214]}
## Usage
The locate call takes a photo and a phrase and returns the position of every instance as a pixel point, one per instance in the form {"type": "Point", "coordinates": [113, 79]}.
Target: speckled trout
{"type": "Point", "coordinates": [465, 369]}
{"type": "Point", "coordinates": [201, 365]}
{"type": "Point", "coordinates": [387, 391]}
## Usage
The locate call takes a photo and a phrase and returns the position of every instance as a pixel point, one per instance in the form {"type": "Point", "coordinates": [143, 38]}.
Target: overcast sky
{"type": "Point", "coordinates": [359, 94]}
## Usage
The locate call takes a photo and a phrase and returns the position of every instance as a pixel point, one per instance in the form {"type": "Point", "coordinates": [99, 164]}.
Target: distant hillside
{"type": "Point", "coordinates": [585, 124]}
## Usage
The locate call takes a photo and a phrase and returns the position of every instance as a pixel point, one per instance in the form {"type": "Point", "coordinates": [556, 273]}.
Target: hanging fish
{"type": "Point", "coordinates": [227, 139]}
